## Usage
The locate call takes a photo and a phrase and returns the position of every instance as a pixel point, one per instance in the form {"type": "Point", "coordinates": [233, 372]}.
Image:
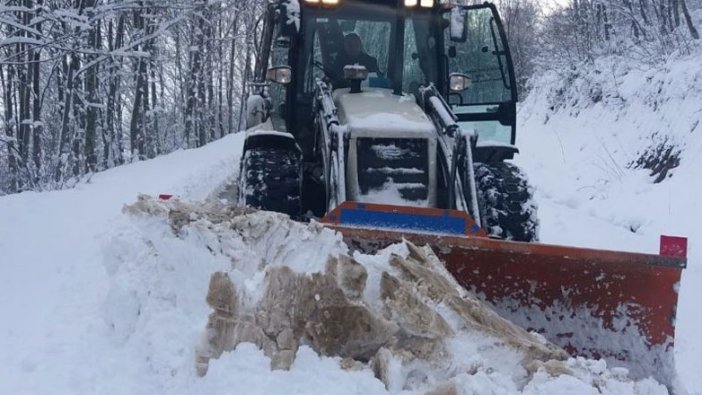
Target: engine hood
{"type": "Point", "coordinates": [377, 112]}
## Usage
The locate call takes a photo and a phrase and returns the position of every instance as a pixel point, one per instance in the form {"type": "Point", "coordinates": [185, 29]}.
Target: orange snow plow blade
{"type": "Point", "coordinates": [618, 306]}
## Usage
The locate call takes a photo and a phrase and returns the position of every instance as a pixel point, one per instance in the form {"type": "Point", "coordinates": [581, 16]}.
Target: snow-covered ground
{"type": "Point", "coordinates": [54, 284]}
{"type": "Point", "coordinates": [577, 156]}
{"type": "Point", "coordinates": [97, 300]}
{"type": "Point", "coordinates": [93, 301]}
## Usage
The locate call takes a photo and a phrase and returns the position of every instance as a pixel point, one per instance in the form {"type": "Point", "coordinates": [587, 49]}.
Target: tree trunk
{"type": "Point", "coordinates": [136, 126]}
{"type": "Point", "coordinates": [191, 86]}
{"type": "Point", "coordinates": [634, 22]}
{"type": "Point", "coordinates": [37, 124]}
{"type": "Point", "coordinates": [643, 7]}
{"type": "Point", "coordinates": [25, 54]}
{"type": "Point", "coordinates": [662, 18]}
{"type": "Point", "coordinates": [210, 78]}
{"type": "Point", "coordinates": [230, 79]}
{"type": "Point", "coordinates": [113, 150]}
{"type": "Point", "coordinates": [688, 20]}
{"type": "Point", "coordinates": [67, 102]}
{"type": "Point", "coordinates": [9, 129]}
{"type": "Point", "coordinates": [91, 87]}
{"type": "Point", "coordinates": [674, 7]}
{"type": "Point", "coordinates": [220, 80]}
{"type": "Point", "coordinates": [155, 148]}
{"type": "Point", "coordinates": [202, 117]}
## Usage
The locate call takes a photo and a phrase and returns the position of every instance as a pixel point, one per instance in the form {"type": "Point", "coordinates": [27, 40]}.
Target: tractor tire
{"type": "Point", "coordinates": [506, 202]}
{"type": "Point", "coordinates": [271, 179]}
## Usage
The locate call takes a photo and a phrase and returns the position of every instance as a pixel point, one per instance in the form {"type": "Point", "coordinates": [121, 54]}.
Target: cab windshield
{"type": "Point", "coordinates": [366, 35]}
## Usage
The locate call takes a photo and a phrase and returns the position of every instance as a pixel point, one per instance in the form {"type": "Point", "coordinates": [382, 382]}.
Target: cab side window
{"type": "Point", "coordinates": [278, 92]}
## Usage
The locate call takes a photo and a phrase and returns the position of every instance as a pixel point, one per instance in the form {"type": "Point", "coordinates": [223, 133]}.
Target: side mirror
{"type": "Point", "coordinates": [459, 25]}
{"type": "Point", "coordinates": [459, 82]}
{"type": "Point", "coordinates": [280, 74]}
{"type": "Point", "coordinates": [355, 74]}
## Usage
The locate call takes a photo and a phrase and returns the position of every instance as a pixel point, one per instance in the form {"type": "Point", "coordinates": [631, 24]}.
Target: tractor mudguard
{"type": "Point", "coordinates": [270, 139]}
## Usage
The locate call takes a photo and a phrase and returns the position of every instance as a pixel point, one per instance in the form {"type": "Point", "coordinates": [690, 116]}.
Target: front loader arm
{"type": "Point", "coordinates": [332, 141]}
{"type": "Point", "coordinates": [457, 145]}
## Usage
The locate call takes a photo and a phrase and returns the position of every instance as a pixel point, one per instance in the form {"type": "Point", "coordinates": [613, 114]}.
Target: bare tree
{"type": "Point", "coordinates": [84, 83]}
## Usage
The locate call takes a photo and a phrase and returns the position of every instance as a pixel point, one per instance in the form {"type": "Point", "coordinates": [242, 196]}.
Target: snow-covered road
{"type": "Point", "coordinates": [53, 282]}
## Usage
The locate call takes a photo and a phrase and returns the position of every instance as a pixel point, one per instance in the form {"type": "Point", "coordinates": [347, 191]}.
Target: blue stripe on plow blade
{"type": "Point", "coordinates": [403, 221]}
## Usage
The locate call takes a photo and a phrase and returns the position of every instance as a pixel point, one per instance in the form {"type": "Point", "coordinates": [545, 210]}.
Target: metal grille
{"type": "Point", "coordinates": [400, 162]}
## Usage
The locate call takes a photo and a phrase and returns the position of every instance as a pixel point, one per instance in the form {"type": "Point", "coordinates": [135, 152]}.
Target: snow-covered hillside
{"type": "Point", "coordinates": [581, 135]}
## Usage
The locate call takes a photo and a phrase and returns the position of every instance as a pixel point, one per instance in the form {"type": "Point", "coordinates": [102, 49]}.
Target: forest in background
{"type": "Point", "coordinates": [86, 85]}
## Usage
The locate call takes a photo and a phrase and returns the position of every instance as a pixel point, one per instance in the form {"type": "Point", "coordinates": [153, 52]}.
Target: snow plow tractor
{"type": "Point", "coordinates": [392, 119]}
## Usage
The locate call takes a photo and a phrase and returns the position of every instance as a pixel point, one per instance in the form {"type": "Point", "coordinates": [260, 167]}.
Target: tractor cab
{"type": "Point", "coordinates": [403, 45]}
{"type": "Point", "coordinates": [379, 62]}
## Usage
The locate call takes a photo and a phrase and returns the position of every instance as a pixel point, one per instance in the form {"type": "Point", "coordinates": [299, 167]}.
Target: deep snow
{"type": "Point", "coordinates": [96, 301]}
{"type": "Point", "coordinates": [67, 328]}
{"type": "Point", "coordinates": [53, 283]}
{"type": "Point", "coordinates": [578, 136]}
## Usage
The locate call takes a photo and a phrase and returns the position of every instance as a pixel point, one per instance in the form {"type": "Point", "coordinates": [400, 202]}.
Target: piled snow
{"type": "Point", "coordinates": [97, 301]}
{"type": "Point", "coordinates": [579, 135]}
{"type": "Point", "coordinates": [160, 263]}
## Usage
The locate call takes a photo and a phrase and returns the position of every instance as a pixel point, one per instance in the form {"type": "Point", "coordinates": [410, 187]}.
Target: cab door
{"type": "Point", "coordinates": [476, 47]}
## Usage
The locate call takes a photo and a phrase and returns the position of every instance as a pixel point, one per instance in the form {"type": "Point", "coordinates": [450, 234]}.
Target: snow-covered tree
{"type": "Point", "coordinates": [86, 85]}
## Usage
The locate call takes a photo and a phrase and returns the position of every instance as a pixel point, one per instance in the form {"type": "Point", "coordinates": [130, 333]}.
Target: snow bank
{"type": "Point", "coordinates": [292, 310]}
{"type": "Point", "coordinates": [581, 134]}
{"type": "Point", "coordinates": [54, 338]}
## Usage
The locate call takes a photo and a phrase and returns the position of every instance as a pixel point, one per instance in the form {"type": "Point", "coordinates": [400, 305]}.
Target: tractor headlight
{"type": "Point", "coordinates": [422, 3]}
{"type": "Point", "coordinates": [459, 82]}
{"type": "Point", "coordinates": [280, 74]}
{"type": "Point", "coordinates": [324, 2]}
